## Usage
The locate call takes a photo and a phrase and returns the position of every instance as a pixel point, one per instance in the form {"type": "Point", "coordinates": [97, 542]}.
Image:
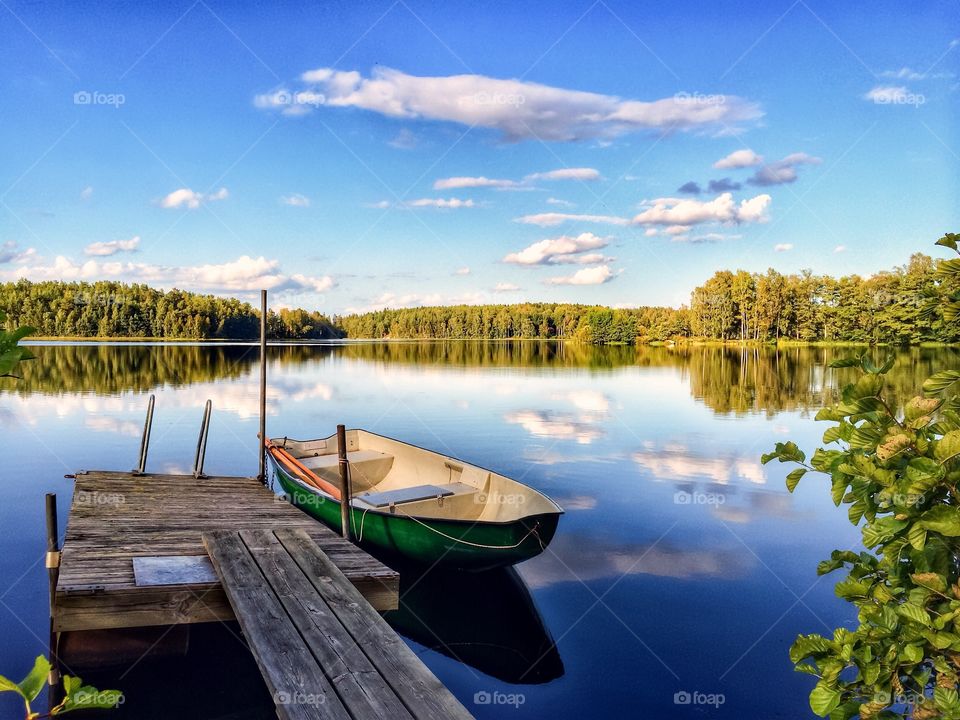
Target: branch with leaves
{"type": "Point", "coordinates": [898, 476]}
{"type": "Point", "coordinates": [77, 696]}
{"type": "Point", "coordinates": [11, 352]}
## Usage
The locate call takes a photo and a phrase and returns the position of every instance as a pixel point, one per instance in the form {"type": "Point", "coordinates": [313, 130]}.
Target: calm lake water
{"type": "Point", "coordinates": [682, 564]}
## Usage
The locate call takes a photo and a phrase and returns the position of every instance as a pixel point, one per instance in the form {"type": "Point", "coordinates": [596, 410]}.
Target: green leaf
{"type": "Point", "coordinates": [948, 267]}
{"type": "Point", "coordinates": [35, 681]}
{"type": "Point", "coordinates": [824, 699]}
{"type": "Point", "coordinates": [948, 446]}
{"type": "Point", "coordinates": [939, 382]}
{"type": "Point", "coordinates": [915, 613]}
{"type": "Point", "coordinates": [87, 697]}
{"type": "Point", "coordinates": [9, 686]}
{"type": "Point", "coordinates": [949, 240]}
{"type": "Point", "coordinates": [845, 362]}
{"type": "Point", "coordinates": [946, 699]}
{"type": "Point", "coordinates": [793, 477]}
{"type": "Point", "coordinates": [924, 470]}
{"type": "Point", "coordinates": [855, 512]}
{"type": "Point", "coordinates": [917, 536]}
{"type": "Point", "coordinates": [880, 530]}
{"type": "Point", "coordinates": [912, 653]}
{"type": "Point", "coordinates": [943, 519]}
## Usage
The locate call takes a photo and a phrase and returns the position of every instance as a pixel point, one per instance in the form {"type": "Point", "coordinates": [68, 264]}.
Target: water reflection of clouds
{"type": "Point", "coordinates": [238, 397]}
{"type": "Point", "coordinates": [674, 461]}
{"type": "Point", "coordinates": [538, 456]}
{"type": "Point", "coordinates": [731, 484]}
{"type": "Point", "coordinates": [572, 557]}
{"type": "Point", "coordinates": [584, 424]}
{"type": "Point", "coordinates": [559, 426]}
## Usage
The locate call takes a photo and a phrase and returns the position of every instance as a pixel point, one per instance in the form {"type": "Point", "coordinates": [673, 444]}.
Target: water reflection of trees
{"type": "Point", "coordinates": [726, 379]}
{"type": "Point", "coordinates": [107, 369]}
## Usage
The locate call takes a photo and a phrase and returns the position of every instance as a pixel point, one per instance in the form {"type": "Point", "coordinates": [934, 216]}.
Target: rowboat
{"type": "Point", "coordinates": [415, 503]}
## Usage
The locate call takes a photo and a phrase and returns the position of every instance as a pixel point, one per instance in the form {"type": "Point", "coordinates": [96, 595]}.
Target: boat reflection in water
{"type": "Point", "coordinates": [507, 641]}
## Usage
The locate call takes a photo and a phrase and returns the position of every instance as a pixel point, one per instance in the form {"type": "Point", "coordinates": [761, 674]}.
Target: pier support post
{"type": "Point", "coordinates": [262, 435]}
{"type": "Point", "coordinates": [53, 574]}
{"type": "Point", "coordinates": [344, 481]}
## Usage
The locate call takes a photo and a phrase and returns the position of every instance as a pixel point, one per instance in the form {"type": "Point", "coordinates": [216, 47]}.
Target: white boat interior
{"type": "Point", "coordinates": [391, 476]}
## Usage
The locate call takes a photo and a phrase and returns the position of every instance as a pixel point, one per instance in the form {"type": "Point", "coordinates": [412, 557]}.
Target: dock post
{"type": "Point", "coordinates": [53, 574]}
{"type": "Point", "coordinates": [262, 436]}
{"type": "Point", "coordinates": [145, 440]}
{"type": "Point", "coordinates": [202, 441]}
{"type": "Point", "coordinates": [344, 481]}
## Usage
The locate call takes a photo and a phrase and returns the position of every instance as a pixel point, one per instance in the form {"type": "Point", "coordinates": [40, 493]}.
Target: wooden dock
{"type": "Point", "coordinates": [116, 517]}
{"type": "Point", "coordinates": [323, 651]}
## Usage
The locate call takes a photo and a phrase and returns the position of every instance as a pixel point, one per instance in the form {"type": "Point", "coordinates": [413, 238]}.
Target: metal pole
{"type": "Point", "coordinates": [344, 481]}
{"type": "Point", "coordinates": [145, 440]}
{"type": "Point", "coordinates": [261, 450]}
{"type": "Point", "coordinates": [202, 441]}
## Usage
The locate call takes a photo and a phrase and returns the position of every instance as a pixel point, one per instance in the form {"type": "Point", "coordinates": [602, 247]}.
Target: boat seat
{"type": "Point", "coordinates": [367, 467]}
{"type": "Point", "coordinates": [403, 495]}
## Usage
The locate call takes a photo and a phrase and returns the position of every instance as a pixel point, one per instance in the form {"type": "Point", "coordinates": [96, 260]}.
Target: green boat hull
{"type": "Point", "coordinates": [465, 545]}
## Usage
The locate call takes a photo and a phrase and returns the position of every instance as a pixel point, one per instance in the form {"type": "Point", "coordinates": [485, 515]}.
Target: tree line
{"type": "Point", "coordinates": [729, 306]}
{"type": "Point", "coordinates": [113, 309]}
{"type": "Point", "coordinates": [739, 306]}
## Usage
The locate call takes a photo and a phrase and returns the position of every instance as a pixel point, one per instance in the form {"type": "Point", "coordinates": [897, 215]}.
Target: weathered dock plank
{"type": "Point", "coordinates": [115, 517]}
{"type": "Point", "coordinates": [323, 651]}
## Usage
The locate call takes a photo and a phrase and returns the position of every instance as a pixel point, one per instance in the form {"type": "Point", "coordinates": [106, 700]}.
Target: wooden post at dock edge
{"type": "Point", "coordinates": [344, 481]}
{"type": "Point", "coordinates": [262, 436]}
{"type": "Point", "coordinates": [53, 574]}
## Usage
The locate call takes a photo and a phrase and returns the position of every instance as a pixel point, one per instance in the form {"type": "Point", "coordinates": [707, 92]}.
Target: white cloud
{"type": "Point", "coordinates": [906, 73]}
{"type": "Point", "coordinates": [551, 219]}
{"type": "Point", "coordinates": [241, 275]}
{"type": "Point", "coordinates": [710, 237]}
{"type": "Point", "coordinates": [391, 300]}
{"type": "Point", "coordinates": [441, 203]}
{"type": "Point", "coordinates": [738, 159]}
{"type": "Point", "coordinates": [112, 247]}
{"type": "Point", "coordinates": [86, 193]}
{"type": "Point", "coordinates": [462, 271]}
{"type": "Point", "coordinates": [518, 109]}
{"type": "Point", "coordinates": [558, 250]}
{"type": "Point", "coordinates": [560, 203]}
{"type": "Point", "coordinates": [295, 200]}
{"type": "Point", "coordinates": [783, 247]}
{"type": "Point", "coordinates": [587, 276]}
{"type": "Point", "coordinates": [686, 211]}
{"type": "Point", "coordinates": [566, 174]}
{"type": "Point", "coordinates": [455, 183]}
{"type": "Point", "coordinates": [10, 252]}
{"type": "Point", "coordinates": [503, 287]}
{"type": "Point", "coordinates": [404, 140]}
{"type": "Point", "coordinates": [840, 248]}
{"type": "Point", "coordinates": [185, 197]}
{"type": "Point", "coordinates": [782, 171]}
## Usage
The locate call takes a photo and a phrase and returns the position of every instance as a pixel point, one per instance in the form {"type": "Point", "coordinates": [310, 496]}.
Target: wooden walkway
{"type": "Point", "coordinates": [324, 652]}
{"type": "Point", "coordinates": [115, 517]}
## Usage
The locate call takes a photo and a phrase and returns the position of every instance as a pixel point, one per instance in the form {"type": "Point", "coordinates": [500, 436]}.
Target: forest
{"type": "Point", "coordinates": [739, 306]}
{"type": "Point", "coordinates": [729, 306]}
{"type": "Point", "coordinates": [113, 309]}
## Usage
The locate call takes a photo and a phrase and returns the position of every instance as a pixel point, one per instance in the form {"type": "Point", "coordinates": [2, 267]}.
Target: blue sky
{"type": "Point", "coordinates": [381, 154]}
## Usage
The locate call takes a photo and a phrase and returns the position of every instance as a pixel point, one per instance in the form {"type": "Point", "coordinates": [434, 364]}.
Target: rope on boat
{"type": "Point", "coordinates": [533, 531]}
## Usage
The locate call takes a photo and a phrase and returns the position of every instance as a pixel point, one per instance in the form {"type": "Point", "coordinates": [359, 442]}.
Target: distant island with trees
{"type": "Point", "coordinates": [730, 306]}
